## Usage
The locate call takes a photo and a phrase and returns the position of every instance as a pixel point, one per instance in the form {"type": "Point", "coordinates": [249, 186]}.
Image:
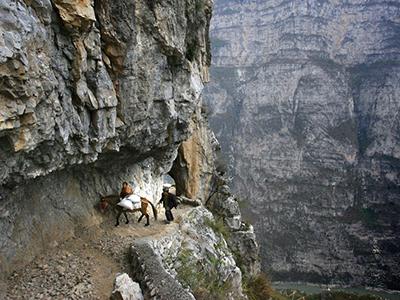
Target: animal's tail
{"type": "Point", "coordinates": [153, 207]}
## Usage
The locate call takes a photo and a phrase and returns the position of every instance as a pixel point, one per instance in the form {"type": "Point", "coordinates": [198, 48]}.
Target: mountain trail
{"type": "Point", "coordinates": [85, 266]}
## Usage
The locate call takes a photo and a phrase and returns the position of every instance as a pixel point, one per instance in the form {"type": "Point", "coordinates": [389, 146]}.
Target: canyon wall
{"type": "Point", "coordinates": [93, 93]}
{"type": "Point", "coordinates": [304, 98]}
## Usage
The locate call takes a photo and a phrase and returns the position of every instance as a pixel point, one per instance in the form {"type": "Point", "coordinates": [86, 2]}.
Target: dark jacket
{"type": "Point", "coordinates": [168, 200]}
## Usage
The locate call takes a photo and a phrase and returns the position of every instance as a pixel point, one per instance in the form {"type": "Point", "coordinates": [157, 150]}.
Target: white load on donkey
{"type": "Point", "coordinates": [130, 202]}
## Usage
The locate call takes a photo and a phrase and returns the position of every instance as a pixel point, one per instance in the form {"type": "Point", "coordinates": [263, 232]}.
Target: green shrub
{"type": "Point", "coordinates": [218, 226]}
{"type": "Point", "coordinates": [257, 287]}
{"type": "Point", "coordinates": [202, 276]}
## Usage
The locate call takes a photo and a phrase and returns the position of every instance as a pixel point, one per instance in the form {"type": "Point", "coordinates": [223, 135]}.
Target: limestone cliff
{"type": "Point", "coordinates": [305, 102]}
{"type": "Point", "coordinates": [92, 93]}
{"type": "Point", "coordinates": [82, 78]}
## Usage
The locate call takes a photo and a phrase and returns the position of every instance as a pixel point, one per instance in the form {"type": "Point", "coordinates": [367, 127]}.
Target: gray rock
{"type": "Point", "coordinates": [126, 289]}
{"type": "Point", "coordinates": [94, 93]}
{"type": "Point", "coordinates": [98, 93]}
{"type": "Point", "coordinates": [194, 256]}
{"type": "Point", "coordinates": [304, 100]}
{"type": "Point", "coordinates": [186, 201]}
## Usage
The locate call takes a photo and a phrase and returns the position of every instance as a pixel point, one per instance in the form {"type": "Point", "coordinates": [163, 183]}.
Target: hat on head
{"type": "Point", "coordinates": [166, 186]}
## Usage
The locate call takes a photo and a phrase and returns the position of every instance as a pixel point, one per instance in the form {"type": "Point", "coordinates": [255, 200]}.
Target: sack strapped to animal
{"type": "Point", "coordinates": [114, 200]}
{"type": "Point", "coordinates": [130, 202]}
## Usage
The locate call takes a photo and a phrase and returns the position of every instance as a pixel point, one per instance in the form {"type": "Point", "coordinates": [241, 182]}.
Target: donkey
{"type": "Point", "coordinates": [112, 200]}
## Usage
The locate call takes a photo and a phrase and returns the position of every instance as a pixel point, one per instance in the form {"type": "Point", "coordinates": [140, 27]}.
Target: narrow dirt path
{"type": "Point", "coordinates": [85, 266]}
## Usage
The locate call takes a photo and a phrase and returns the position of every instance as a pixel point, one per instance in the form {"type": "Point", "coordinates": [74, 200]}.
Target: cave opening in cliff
{"type": "Point", "coordinates": [168, 179]}
{"type": "Point", "coordinates": [179, 173]}
{"type": "Point", "coordinates": [176, 175]}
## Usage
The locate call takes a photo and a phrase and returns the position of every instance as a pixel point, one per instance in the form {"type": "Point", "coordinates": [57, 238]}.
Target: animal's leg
{"type": "Point", "coordinates": [119, 214]}
{"type": "Point", "coordinates": [148, 220]}
{"type": "Point", "coordinates": [126, 217]}
{"type": "Point", "coordinates": [141, 217]}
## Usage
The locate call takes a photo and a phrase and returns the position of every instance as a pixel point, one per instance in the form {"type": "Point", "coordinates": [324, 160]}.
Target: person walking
{"type": "Point", "coordinates": [169, 202]}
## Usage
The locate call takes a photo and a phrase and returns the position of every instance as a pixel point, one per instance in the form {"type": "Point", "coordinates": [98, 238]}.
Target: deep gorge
{"type": "Point", "coordinates": [304, 98]}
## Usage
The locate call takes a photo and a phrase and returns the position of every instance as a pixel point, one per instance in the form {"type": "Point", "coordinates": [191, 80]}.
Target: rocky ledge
{"type": "Point", "coordinates": [194, 261]}
{"type": "Point", "coordinates": [92, 94]}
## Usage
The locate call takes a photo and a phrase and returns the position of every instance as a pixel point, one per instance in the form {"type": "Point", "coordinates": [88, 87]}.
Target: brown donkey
{"type": "Point", "coordinates": [112, 200]}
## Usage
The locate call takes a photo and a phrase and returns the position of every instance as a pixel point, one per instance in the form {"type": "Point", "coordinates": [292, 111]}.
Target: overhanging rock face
{"type": "Point", "coordinates": [93, 93]}
{"type": "Point", "coordinates": [79, 80]}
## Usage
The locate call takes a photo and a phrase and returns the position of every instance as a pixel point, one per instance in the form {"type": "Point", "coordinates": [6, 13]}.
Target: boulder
{"type": "Point", "coordinates": [126, 289]}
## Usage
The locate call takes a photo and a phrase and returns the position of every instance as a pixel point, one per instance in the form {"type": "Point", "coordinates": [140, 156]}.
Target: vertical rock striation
{"type": "Point", "coordinates": [194, 169]}
{"type": "Point", "coordinates": [305, 99]}
{"type": "Point", "coordinates": [92, 93]}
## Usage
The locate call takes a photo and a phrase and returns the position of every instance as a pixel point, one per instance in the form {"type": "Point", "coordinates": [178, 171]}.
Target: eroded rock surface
{"type": "Point", "coordinates": [93, 93]}
{"type": "Point", "coordinates": [305, 99]}
{"type": "Point", "coordinates": [126, 289]}
{"type": "Point", "coordinates": [194, 259]}
{"type": "Point", "coordinates": [194, 169]}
